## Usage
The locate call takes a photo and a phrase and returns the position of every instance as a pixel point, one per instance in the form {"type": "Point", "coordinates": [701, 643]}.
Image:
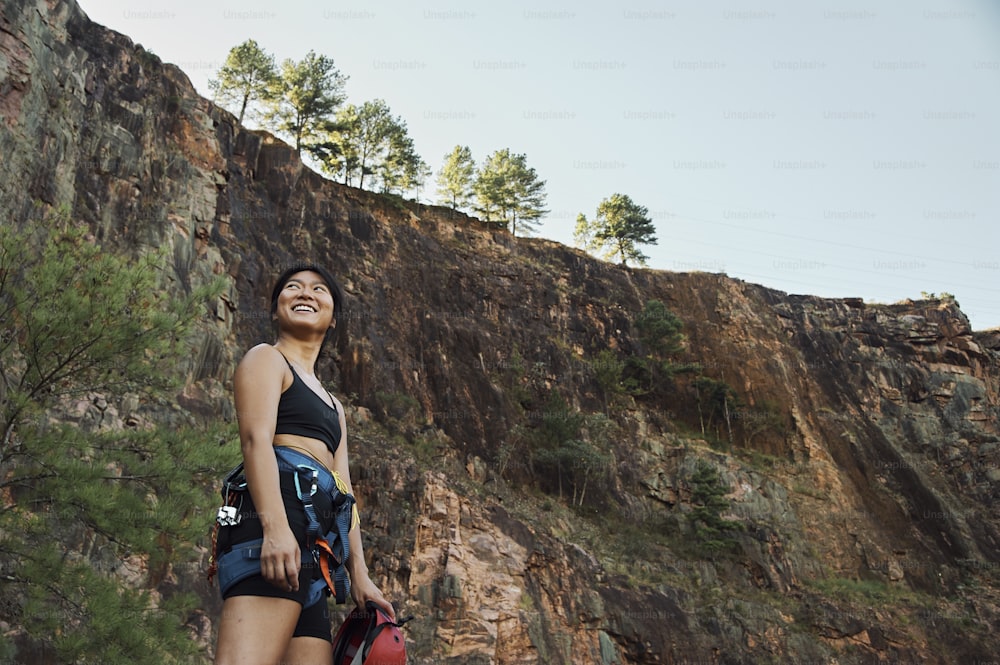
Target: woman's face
{"type": "Point", "coordinates": [305, 298]}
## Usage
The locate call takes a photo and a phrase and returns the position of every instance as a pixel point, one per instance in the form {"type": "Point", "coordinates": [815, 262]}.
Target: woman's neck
{"type": "Point", "coordinates": [303, 356]}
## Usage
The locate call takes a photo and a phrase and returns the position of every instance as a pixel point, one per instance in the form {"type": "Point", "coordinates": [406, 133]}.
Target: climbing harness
{"type": "Point", "coordinates": [329, 551]}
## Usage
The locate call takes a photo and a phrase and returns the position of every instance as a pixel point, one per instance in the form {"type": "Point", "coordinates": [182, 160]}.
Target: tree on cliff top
{"type": "Point", "coordinates": [305, 98]}
{"type": "Point", "coordinates": [456, 177]}
{"type": "Point", "coordinates": [88, 508]}
{"type": "Point", "coordinates": [249, 74]}
{"type": "Point", "coordinates": [402, 169]}
{"type": "Point", "coordinates": [621, 225]}
{"type": "Point", "coordinates": [368, 141]}
{"type": "Point", "coordinates": [509, 191]}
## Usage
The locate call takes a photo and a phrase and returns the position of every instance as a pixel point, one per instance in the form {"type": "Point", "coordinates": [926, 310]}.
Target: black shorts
{"type": "Point", "coordinates": [314, 621]}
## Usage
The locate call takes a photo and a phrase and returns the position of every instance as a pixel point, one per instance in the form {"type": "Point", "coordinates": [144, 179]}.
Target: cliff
{"type": "Point", "coordinates": [861, 459]}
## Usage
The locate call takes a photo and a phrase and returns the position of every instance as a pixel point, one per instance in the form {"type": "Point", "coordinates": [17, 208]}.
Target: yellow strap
{"type": "Point", "coordinates": [342, 486]}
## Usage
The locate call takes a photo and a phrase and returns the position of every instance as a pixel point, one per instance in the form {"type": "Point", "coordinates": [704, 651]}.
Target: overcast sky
{"type": "Point", "coordinates": [836, 149]}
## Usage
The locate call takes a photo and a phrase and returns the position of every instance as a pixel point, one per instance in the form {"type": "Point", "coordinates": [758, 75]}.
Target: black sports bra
{"type": "Point", "coordinates": [304, 413]}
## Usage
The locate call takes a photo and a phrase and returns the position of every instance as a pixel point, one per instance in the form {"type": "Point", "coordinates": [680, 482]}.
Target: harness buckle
{"type": "Point", "coordinates": [315, 476]}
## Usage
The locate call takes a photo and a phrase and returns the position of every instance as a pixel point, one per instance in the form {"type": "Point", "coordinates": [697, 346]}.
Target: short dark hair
{"type": "Point", "coordinates": [335, 291]}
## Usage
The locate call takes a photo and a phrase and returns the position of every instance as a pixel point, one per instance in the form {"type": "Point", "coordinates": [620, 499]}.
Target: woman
{"type": "Point", "coordinates": [285, 413]}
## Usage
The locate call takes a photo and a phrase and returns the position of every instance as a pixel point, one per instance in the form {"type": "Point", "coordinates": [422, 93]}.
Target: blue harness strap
{"type": "Point", "coordinates": [330, 552]}
{"type": "Point", "coordinates": [243, 561]}
{"type": "Point", "coordinates": [333, 552]}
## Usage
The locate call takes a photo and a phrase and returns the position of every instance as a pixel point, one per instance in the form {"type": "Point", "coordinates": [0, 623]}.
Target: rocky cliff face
{"type": "Point", "coordinates": [863, 465]}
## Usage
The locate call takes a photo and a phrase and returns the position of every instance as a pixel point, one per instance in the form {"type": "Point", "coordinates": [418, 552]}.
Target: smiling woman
{"type": "Point", "coordinates": [313, 279]}
{"type": "Point", "coordinates": [296, 487]}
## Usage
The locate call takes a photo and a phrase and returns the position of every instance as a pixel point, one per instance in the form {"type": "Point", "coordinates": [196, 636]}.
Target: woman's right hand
{"type": "Point", "coordinates": [280, 558]}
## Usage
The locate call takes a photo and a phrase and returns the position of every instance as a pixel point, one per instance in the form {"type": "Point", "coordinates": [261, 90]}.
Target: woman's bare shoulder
{"type": "Point", "coordinates": [262, 358]}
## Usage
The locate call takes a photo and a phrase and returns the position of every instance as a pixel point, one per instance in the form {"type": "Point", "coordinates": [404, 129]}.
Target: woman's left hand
{"type": "Point", "coordinates": [364, 590]}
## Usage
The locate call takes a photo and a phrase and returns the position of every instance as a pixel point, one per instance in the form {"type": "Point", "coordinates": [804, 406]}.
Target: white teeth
{"type": "Point", "coordinates": [303, 308]}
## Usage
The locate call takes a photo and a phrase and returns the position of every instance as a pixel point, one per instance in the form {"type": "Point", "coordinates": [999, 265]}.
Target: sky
{"type": "Point", "coordinates": [837, 149]}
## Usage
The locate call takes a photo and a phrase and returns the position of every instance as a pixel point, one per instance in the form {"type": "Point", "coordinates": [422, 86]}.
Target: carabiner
{"type": "Point", "coordinates": [315, 477]}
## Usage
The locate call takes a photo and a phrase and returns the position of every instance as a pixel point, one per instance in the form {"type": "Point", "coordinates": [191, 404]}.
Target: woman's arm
{"type": "Point", "coordinates": [362, 587]}
{"type": "Point", "coordinates": [257, 388]}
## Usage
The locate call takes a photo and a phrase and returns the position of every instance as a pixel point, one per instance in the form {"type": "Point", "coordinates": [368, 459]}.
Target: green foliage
{"type": "Point", "coordinates": [304, 99]}
{"type": "Point", "coordinates": [766, 417]}
{"type": "Point", "coordinates": [870, 593]}
{"type": "Point", "coordinates": [764, 462]}
{"type": "Point", "coordinates": [608, 371]}
{"type": "Point", "coordinates": [715, 400]}
{"type": "Point", "coordinates": [569, 445]}
{"type": "Point", "coordinates": [619, 227]}
{"type": "Point", "coordinates": [944, 296]}
{"type": "Point", "coordinates": [132, 501]}
{"type": "Point", "coordinates": [555, 425]}
{"type": "Point", "coordinates": [659, 331]}
{"type": "Point", "coordinates": [78, 318]}
{"type": "Point", "coordinates": [810, 490]}
{"type": "Point", "coordinates": [340, 151]}
{"type": "Point", "coordinates": [86, 512]}
{"type": "Point", "coordinates": [401, 169]}
{"type": "Point", "coordinates": [515, 375]}
{"type": "Point", "coordinates": [249, 74]}
{"type": "Point", "coordinates": [508, 191]}
{"type": "Point", "coordinates": [708, 493]}
{"type": "Point", "coordinates": [367, 140]}
{"type": "Point", "coordinates": [456, 177]}
{"type": "Point", "coordinates": [303, 104]}
{"type": "Point", "coordinates": [397, 406]}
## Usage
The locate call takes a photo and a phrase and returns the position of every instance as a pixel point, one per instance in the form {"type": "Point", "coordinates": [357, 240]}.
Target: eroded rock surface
{"type": "Point", "coordinates": [884, 467]}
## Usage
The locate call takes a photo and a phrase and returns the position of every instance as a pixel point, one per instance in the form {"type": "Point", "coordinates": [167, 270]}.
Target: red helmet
{"type": "Point", "coordinates": [368, 636]}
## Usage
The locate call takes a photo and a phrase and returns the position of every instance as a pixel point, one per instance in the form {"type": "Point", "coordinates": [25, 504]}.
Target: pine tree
{"type": "Point", "coordinates": [660, 332]}
{"type": "Point", "coordinates": [621, 225]}
{"type": "Point", "coordinates": [493, 194]}
{"type": "Point", "coordinates": [456, 177]}
{"type": "Point", "coordinates": [529, 197]}
{"type": "Point", "coordinates": [304, 99]}
{"type": "Point", "coordinates": [508, 191]}
{"type": "Point", "coordinates": [708, 501]}
{"type": "Point", "coordinates": [340, 153]}
{"type": "Point", "coordinates": [567, 443]}
{"type": "Point", "coordinates": [714, 398]}
{"type": "Point", "coordinates": [370, 129]}
{"type": "Point", "coordinates": [84, 505]}
{"type": "Point", "coordinates": [402, 169]}
{"type": "Point", "coordinates": [248, 75]}
{"type": "Point", "coordinates": [369, 141]}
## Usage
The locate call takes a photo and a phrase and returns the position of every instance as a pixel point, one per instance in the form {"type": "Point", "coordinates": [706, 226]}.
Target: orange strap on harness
{"type": "Point", "coordinates": [324, 562]}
